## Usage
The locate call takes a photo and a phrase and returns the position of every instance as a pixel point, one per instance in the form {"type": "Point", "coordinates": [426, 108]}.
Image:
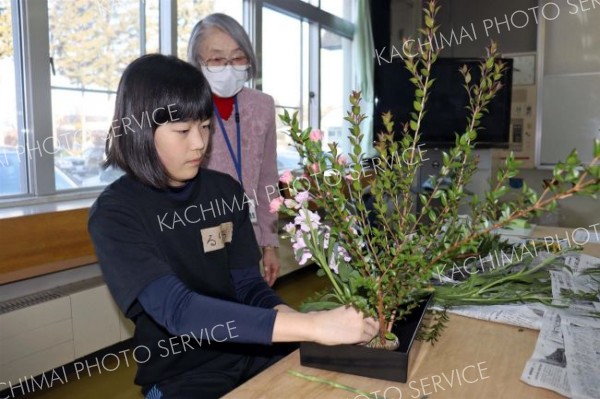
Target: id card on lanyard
{"type": "Point", "coordinates": [237, 160]}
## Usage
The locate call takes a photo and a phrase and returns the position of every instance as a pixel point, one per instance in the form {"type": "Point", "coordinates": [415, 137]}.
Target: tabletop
{"type": "Point", "coordinates": [472, 359]}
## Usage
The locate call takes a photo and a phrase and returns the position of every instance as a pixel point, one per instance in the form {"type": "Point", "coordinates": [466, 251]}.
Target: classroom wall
{"type": "Point", "coordinates": [474, 23]}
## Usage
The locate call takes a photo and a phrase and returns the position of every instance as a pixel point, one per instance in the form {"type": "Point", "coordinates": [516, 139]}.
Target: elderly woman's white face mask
{"type": "Point", "coordinates": [223, 63]}
{"type": "Point", "coordinates": [226, 83]}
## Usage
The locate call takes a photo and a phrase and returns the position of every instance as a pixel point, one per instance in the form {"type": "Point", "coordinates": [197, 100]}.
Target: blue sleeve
{"type": "Point", "coordinates": [182, 311]}
{"type": "Point", "coordinates": [252, 289]}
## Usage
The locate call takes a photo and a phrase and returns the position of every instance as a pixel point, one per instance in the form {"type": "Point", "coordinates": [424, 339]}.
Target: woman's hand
{"type": "Point", "coordinates": [270, 263]}
{"type": "Point", "coordinates": [344, 325]}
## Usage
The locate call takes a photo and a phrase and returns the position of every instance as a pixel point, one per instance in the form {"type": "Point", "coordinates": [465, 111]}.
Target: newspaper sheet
{"type": "Point", "coordinates": [581, 262]}
{"type": "Point", "coordinates": [577, 281]}
{"type": "Point", "coordinates": [566, 357]}
{"type": "Point", "coordinates": [530, 315]}
{"type": "Point", "coordinates": [567, 353]}
{"type": "Point", "coordinates": [547, 368]}
{"type": "Point", "coordinates": [582, 349]}
{"type": "Point", "coordinates": [583, 235]}
{"type": "Point", "coordinates": [521, 315]}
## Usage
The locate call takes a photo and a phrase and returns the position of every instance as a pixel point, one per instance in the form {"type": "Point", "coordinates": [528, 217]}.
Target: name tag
{"type": "Point", "coordinates": [214, 238]}
{"type": "Point", "coordinates": [227, 231]}
{"type": "Point", "coordinates": [252, 211]}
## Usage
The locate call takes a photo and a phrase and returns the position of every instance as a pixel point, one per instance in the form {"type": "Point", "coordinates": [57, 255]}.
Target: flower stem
{"type": "Point", "coordinates": [332, 384]}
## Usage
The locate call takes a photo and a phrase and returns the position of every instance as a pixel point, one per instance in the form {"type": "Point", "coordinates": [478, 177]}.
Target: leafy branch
{"type": "Point", "coordinates": [391, 254]}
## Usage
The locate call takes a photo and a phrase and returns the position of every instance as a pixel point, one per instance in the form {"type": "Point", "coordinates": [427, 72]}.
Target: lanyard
{"type": "Point", "coordinates": [237, 161]}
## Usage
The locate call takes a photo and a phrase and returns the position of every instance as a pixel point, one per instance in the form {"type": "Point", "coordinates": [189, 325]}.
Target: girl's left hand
{"type": "Point", "coordinates": [270, 265]}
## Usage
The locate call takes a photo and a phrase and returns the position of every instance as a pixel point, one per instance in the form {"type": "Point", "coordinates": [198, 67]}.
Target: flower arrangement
{"type": "Point", "coordinates": [375, 248]}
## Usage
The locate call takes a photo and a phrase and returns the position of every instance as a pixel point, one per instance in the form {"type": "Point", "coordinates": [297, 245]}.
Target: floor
{"type": "Point", "coordinates": [118, 384]}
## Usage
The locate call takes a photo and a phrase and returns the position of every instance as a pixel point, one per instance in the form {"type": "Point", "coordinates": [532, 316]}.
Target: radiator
{"type": "Point", "coordinates": [41, 332]}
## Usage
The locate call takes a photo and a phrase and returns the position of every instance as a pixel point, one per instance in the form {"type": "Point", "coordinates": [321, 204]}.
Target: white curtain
{"type": "Point", "coordinates": [363, 52]}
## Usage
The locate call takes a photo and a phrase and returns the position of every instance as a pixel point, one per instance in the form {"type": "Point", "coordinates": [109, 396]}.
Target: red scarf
{"type": "Point", "coordinates": [224, 106]}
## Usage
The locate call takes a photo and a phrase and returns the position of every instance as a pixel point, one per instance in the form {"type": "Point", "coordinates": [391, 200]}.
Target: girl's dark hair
{"type": "Point", "coordinates": [155, 89]}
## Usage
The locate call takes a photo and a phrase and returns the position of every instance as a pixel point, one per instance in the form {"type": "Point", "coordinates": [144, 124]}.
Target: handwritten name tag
{"type": "Point", "coordinates": [214, 238]}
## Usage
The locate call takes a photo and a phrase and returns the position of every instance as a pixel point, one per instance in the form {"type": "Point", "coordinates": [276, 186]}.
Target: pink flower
{"type": "Point", "coordinates": [275, 204]}
{"type": "Point", "coordinates": [286, 177]}
{"type": "Point", "coordinates": [315, 135]}
{"type": "Point", "coordinates": [342, 160]}
{"type": "Point", "coordinates": [314, 167]}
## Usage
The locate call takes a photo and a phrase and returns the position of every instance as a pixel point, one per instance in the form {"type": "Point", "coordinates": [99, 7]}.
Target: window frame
{"type": "Point", "coordinates": [31, 43]}
{"type": "Point", "coordinates": [34, 90]}
{"type": "Point", "coordinates": [317, 19]}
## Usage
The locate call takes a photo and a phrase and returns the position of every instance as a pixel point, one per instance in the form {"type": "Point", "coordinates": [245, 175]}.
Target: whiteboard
{"type": "Point", "coordinates": [570, 116]}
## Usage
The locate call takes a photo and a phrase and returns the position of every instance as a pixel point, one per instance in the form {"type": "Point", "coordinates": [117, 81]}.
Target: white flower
{"type": "Point", "coordinates": [298, 242]}
{"type": "Point", "coordinates": [307, 220]}
{"type": "Point", "coordinates": [290, 228]}
{"type": "Point", "coordinates": [304, 257]}
{"type": "Point", "coordinates": [291, 204]}
{"type": "Point", "coordinates": [333, 265]}
{"type": "Point", "coordinates": [302, 197]}
{"type": "Point", "coordinates": [344, 254]}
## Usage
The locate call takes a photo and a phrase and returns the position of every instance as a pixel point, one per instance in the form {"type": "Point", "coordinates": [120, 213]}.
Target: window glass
{"type": "Point", "coordinates": [333, 91]}
{"type": "Point", "coordinates": [152, 39]}
{"type": "Point", "coordinates": [189, 12]}
{"type": "Point", "coordinates": [91, 43]}
{"type": "Point", "coordinates": [284, 69]}
{"type": "Point", "coordinates": [13, 179]}
{"type": "Point", "coordinates": [339, 8]}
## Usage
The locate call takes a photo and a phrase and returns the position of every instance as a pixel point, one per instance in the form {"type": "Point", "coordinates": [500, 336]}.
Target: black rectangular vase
{"type": "Point", "coordinates": [368, 362]}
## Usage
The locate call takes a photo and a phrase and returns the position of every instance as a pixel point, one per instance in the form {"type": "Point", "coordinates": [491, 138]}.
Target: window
{"type": "Point", "coordinates": [189, 12]}
{"type": "Point", "coordinates": [339, 8]}
{"type": "Point", "coordinates": [90, 45]}
{"type": "Point", "coordinates": [306, 67]}
{"type": "Point", "coordinates": [333, 89]}
{"type": "Point", "coordinates": [284, 71]}
{"type": "Point", "coordinates": [70, 56]}
{"type": "Point", "coordinates": [12, 157]}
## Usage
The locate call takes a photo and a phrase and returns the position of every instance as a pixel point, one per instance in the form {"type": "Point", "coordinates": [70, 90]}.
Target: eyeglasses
{"type": "Point", "coordinates": [218, 64]}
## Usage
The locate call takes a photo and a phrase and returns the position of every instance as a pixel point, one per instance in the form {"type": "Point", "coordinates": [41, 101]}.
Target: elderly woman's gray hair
{"type": "Point", "coordinates": [227, 25]}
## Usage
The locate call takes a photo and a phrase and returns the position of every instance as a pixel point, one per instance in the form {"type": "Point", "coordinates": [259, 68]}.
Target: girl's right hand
{"type": "Point", "coordinates": [344, 325]}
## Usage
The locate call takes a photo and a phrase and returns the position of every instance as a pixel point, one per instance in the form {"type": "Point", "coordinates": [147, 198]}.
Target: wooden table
{"type": "Point", "coordinates": [472, 359]}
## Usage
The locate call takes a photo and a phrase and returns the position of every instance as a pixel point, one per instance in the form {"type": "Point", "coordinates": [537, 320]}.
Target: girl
{"type": "Point", "coordinates": [177, 249]}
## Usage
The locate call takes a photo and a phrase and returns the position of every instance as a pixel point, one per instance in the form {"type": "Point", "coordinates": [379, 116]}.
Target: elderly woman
{"type": "Point", "coordinates": [244, 144]}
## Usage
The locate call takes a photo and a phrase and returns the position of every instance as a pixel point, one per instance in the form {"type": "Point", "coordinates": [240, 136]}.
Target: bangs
{"type": "Point", "coordinates": [185, 96]}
